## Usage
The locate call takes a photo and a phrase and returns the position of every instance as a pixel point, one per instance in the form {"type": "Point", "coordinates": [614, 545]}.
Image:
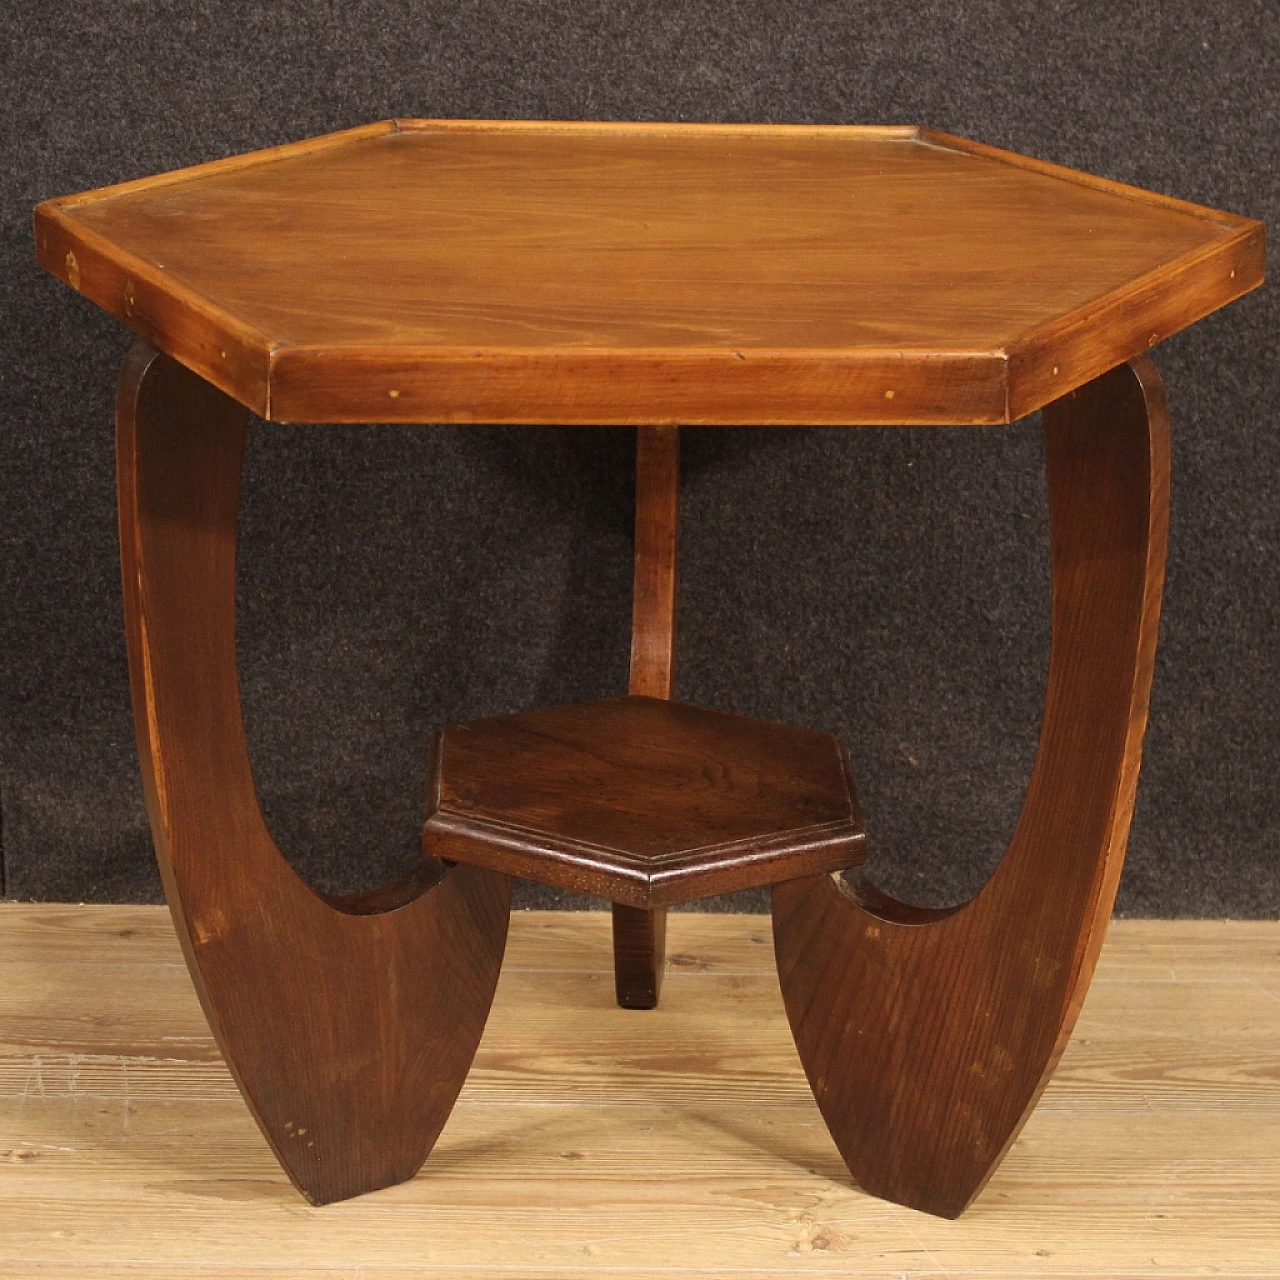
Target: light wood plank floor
{"type": "Point", "coordinates": [593, 1141]}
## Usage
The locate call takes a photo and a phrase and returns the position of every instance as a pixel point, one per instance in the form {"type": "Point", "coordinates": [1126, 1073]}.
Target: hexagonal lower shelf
{"type": "Point", "coordinates": [642, 801]}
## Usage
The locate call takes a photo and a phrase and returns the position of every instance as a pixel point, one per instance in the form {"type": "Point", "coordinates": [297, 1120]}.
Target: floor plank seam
{"type": "Point", "coordinates": [590, 1142]}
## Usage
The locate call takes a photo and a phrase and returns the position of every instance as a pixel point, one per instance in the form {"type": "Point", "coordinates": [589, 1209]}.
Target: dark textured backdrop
{"type": "Point", "coordinates": [890, 585]}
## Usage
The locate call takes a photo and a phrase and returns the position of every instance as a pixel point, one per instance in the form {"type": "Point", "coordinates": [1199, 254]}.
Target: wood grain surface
{"type": "Point", "coordinates": [639, 945]}
{"type": "Point", "coordinates": [643, 801]}
{"type": "Point", "coordinates": [590, 1142]}
{"type": "Point", "coordinates": [639, 936]}
{"type": "Point", "coordinates": [653, 610]}
{"type": "Point", "coordinates": [348, 1023]}
{"type": "Point", "coordinates": [929, 1035]}
{"type": "Point", "coordinates": [645, 274]}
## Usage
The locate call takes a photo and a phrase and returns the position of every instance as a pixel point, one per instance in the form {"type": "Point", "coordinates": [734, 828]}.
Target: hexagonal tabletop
{"type": "Point", "coordinates": [607, 273]}
{"type": "Point", "coordinates": [643, 801]}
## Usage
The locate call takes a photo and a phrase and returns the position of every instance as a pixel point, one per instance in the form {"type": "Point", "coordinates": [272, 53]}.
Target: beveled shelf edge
{"type": "Point", "coordinates": [679, 877]}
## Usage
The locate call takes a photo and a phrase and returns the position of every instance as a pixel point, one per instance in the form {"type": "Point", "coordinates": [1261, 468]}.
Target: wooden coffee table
{"type": "Point", "coordinates": [651, 275]}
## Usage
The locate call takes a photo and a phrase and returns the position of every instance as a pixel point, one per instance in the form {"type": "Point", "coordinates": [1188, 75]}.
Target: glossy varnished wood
{"type": "Point", "coordinates": [646, 274]}
{"type": "Point", "coordinates": [349, 1024]}
{"type": "Point", "coordinates": [653, 275]}
{"type": "Point", "coordinates": [639, 936]}
{"type": "Point", "coordinates": [928, 1035]}
{"type": "Point", "coordinates": [643, 801]}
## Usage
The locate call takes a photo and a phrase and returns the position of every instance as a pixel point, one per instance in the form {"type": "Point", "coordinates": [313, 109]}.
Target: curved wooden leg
{"type": "Point", "coordinates": [928, 1036]}
{"type": "Point", "coordinates": [640, 936]}
{"type": "Point", "coordinates": [348, 1024]}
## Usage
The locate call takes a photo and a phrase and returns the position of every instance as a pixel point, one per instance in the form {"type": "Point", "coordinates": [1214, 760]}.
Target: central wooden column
{"type": "Point", "coordinates": [639, 936]}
